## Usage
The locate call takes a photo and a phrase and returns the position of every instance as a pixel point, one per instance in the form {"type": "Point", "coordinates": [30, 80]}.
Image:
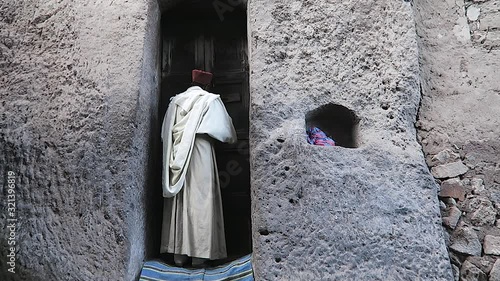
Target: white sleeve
{"type": "Point", "coordinates": [217, 123]}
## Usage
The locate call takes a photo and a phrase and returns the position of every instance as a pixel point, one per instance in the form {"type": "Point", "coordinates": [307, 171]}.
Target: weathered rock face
{"type": "Point", "coordinates": [465, 241]}
{"type": "Point", "coordinates": [495, 271]}
{"type": "Point", "coordinates": [459, 119]}
{"type": "Point", "coordinates": [492, 245]}
{"type": "Point", "coordinates": [79, 102]}
{"type": "Point", "coordinates": [470, 272]}
{"type": "Point", "coordinates": [337, 213]}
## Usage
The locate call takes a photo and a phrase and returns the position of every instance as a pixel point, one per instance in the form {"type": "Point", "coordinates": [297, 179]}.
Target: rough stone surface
{"type": "Point", "coordinates": [485, 263]}
{"type": "Point", "coordinates": [460, 64]}
{"type": "Point", "coordinates": [451, 217]}
{"type": "Point", "coordinates": [481, 211]}
{"type": "Point", "coordinates": [452, 188]}
{"type": "Point", "coordinates": [470, 272]}
{"type": "Point", "coordinates": [492, 245]}
{"type": "Point", "coordinates": [473, 12]}
{"type": "Point", "coordinates": [444, 157]}
{"type": "Point", "coordinates": [79, 105]}
{"type": "Point", "coordinates": [456, 272]}
{"type": "Point", "coordinates": [366, 218]}
{"type": "Point", "coordinates": [449, 170]}
{"type": "Point", "coordinates": [465, 241]}
{"type": "Point", "coordinates": [477, 185]}
{"type": "Point", "coordinates": [495, 271]}
{"type": "Point", "coordinates": [79, 101]}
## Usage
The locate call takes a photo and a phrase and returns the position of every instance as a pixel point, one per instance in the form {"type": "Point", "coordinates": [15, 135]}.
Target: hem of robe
{"type": "Point", "coordinates": [170, 251]}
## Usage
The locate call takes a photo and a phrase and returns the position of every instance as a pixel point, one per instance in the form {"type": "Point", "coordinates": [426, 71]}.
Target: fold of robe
{"type": "Point", "coordinates": [193, 222]}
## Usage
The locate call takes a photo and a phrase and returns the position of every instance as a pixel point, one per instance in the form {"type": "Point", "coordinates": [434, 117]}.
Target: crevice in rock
{"type": "Point", "coordinates": [337, 122]}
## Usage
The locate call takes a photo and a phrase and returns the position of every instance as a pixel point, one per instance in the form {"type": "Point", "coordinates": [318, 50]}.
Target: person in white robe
{"type": "Point", "coordinates": [193, 223]}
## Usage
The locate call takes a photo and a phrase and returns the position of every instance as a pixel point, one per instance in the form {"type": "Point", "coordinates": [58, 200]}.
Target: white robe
{"type": "Point", "coordinates": [193, 222]}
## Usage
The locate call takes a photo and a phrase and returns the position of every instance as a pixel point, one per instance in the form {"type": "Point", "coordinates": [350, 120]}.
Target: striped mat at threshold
{"type": "Point", "coordinates": [238, 270]}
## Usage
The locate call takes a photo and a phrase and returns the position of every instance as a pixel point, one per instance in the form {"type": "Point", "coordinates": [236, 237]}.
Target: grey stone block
{"type": "Point", "coordinates": [470, 272]}
{"type": "Point", "coordinates": [449, 170]}
{"type": "Point", "coordinates": [492, 245]}
{"type": "Point", "coordinates": [465, 241]}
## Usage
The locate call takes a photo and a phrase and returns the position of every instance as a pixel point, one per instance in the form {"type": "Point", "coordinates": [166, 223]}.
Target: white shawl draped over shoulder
{"type": "Point", "coordinates": [189, 113]}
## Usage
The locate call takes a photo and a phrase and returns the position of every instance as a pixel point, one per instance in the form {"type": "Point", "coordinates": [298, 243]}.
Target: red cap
{"type": "Point", "coordinates": [202, 77]}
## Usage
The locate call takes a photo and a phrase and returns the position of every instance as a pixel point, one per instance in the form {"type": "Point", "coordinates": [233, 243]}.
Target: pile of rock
{"type": "Point", "coordinates": [483, 20]}
{"type": "Point", "coordinates": [469, 217]}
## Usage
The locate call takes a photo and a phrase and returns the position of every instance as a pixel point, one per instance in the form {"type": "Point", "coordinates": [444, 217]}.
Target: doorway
{"type": "Point", "coordinates": [193, 36]}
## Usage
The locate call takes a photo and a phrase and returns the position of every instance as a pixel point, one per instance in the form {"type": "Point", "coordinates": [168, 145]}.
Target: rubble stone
{"type": "Point", "coordinates": [495, 195]}
{"type": "Point", "coordinates": [481, 211]}
{"type": "Point", "coordinates": [444, 156]}
{"type": "Point", "coordinates": [442, 205]}
{"type": "Point", "coordinates": [465, 241]}
{"type": "Point", "coordinates": [470, 272]}
{"type": "Point", "coordinates": [452, 188]}
{"type": "Point", "coordinates": [453, 215]}
{"type": "Point", "coordinates": [473, 13]}
{"type": "Point", "coordinates": [456, 272]}
{"type": "Point", "coordinates": [495, 271]}
{"type": "Point", "coordinates": [476, 137]}
{"type": "Point", "coordinates": [477, 185]}
{"type": "Point", "coordinates": [485, 263]}
{"type": "Point", "coordinates": [461, 30]}
{"type": "Point", "coordinates": [492, 245]}
{"type": "Point", "coordinates": [456, 259]}
{"type": "Point", "coordinates": [449, 170]}
{"type": "Point", "coordinates": [449, 201]}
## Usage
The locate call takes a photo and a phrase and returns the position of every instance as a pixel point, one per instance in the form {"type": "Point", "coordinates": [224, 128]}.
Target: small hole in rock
{"type": "Point", "coordinates": [385, 106]}
{"type": "Point", "coordinates": [263, 232]}
{"type": "Point", "coordinates": [280, 140]}
{"type": "Point", "coordinates": [277, 259]}
{"type": "Point", "coordinates": [287, 168]}
{"type": "Point", "coordinates": [336, 122]}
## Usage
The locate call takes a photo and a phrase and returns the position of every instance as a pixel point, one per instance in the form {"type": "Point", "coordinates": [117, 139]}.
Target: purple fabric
{"type": "Point", "coordinates": [317, 137]}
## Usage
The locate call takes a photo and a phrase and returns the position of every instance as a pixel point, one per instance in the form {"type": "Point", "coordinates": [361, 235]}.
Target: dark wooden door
{"type": "Point", "coordinates": [221, 48]}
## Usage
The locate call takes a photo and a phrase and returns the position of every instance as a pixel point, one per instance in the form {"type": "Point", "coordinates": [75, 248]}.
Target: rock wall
{"type": "Point", "coordinates": [458, 126]}
{"type": "Point", "coordinates": [331, 213]}
{"type": "Point", "coordinates": [79, 123]}
{"type": "Point", "coordinates": [78, 81]}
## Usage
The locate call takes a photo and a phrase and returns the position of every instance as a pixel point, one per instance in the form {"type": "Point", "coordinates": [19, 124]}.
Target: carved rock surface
{"type": "Point", "coordinates": [342, 214]}
{"type": "Point", "coordinates": [79, 102]}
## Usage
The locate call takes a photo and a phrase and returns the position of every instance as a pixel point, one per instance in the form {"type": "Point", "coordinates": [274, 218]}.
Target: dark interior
{"type": "Point", "coordinates": [338, 122]}
{"type": "Point", "coordinates": [194, 36]}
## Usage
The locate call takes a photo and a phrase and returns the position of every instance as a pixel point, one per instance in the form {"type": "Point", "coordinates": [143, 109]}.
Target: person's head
{"type": "Point", "coordinates": [201, 78]}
